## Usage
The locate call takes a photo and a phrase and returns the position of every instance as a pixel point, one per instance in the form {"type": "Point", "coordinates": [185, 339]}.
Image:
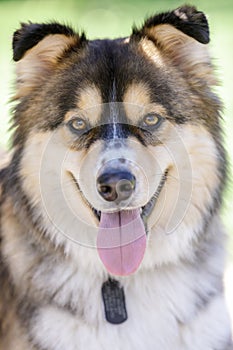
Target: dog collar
{"type": "Point", "coordinates": [114, 302]}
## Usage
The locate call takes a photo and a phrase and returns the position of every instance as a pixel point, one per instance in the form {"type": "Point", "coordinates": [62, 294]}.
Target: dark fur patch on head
{"type": "Point", "coordinates": [186, 18]}
{"type": "Point", "coordinates": [32, 33]}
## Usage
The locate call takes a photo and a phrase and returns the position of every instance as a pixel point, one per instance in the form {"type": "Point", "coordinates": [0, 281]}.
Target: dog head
{"type": "Point", "coordinates": [119, 140]}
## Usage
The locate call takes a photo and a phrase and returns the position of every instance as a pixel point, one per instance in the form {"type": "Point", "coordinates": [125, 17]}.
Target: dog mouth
{"type": "Point", "coordinates": [145, 210]}
{"type": "Point", "coordinates": [122, 235]}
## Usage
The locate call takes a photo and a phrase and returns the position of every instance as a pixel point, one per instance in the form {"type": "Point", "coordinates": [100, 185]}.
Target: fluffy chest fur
{"type": "Point", "coordinates": [174, 306]}
{"type": "Point", "coordinates": [171, 324]}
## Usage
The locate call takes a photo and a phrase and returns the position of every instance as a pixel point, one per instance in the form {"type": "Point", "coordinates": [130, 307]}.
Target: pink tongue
{"type": "Point", "coordinates": [121, 241]}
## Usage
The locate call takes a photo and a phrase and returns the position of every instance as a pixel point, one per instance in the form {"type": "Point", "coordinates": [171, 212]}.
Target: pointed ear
{"type": "Point", "coordinates": [37, 49]}
{"type": "Point", "coordinates": [181, 36]}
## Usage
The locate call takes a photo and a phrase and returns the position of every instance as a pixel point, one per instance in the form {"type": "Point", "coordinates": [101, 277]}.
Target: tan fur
{"type": "Point", "coordinates": [184, 51]}
{"type": "Point", "coordinates": [89, 105]}
{"type": "Point", "coordinates": [151, 51]}
{"type": "Point", "coordinates": [39, 61]}
{"type": "Point", "coordinates": [16, 339]}
{"type": "Point", "coordinates": [137, 103]}
{"type": "Point", "coordinates": [137, 94]}
{"type": "Point", "coordinates": [90, 97]}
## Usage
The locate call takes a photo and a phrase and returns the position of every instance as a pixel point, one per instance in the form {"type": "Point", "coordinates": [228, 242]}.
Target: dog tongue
{"type": "Point", "coordinates": [121, 241]}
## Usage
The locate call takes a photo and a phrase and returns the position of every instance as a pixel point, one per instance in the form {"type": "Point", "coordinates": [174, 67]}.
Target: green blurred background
{"type": "Point", "coordinates": [105, 18]}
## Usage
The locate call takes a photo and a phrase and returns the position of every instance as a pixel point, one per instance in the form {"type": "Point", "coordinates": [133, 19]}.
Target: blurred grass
{"type": "Point", "coordinates": [104, 18]}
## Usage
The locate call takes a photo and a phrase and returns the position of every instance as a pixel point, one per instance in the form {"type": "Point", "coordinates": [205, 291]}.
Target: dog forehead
{"type": "Point", "coordinates": [112, 66]}
{"type": "Point", "coordinates": [113, 75]}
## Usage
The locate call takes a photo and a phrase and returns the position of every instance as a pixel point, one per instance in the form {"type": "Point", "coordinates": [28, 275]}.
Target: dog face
{"type": "Point", "coordinates": [118, 141]}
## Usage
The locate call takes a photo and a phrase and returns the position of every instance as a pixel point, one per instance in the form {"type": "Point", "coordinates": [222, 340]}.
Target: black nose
{"type": "Point", "coordinates": [116, 185]}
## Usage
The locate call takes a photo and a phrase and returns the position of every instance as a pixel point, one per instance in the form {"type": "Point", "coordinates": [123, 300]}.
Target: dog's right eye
{"type": "Point", "coordinates": [151, 121]}
{"type": "Point", "coordinates": [78, 124]}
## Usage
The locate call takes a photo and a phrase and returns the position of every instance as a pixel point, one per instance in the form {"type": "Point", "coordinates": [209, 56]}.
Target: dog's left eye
{"type": "Point", "coordinates": [78, 124]}
{"type": "Point", "coordinates": [151, 120]}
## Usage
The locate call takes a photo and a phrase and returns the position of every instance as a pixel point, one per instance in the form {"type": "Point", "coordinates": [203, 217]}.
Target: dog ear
{"type": "Point", "coordinates": [37, 49]}
{"type": "Point", "coordinates": [181, 36]}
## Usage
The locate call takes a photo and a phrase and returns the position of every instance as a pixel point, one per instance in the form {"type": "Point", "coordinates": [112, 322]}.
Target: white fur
{"type": "Point", "coordinates": [155, 302]}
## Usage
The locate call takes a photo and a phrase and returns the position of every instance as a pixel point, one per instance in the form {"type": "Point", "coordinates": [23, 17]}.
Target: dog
{"type": "Point", "coordinates": [110, 229]}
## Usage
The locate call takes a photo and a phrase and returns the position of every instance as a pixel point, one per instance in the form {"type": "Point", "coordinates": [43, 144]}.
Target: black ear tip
{"type": "Point", "coordinates": [190, 14]}
{"type": "Point", "coordinates": [31, 33]}
{"type": "Point", "coordinates": [187, 12]}
{"type": "Point", "coordinates": [18, 35]}
{"type": "Point", "coordinates": [185, 18]}
{"type": "Point", "coordinates": [19, 32]}
{"type": "Point", "coordinates": [24, 38]}
{"type": "Point", "coordinates": [193, 23]}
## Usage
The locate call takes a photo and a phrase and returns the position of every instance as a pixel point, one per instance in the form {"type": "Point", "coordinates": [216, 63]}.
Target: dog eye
{"type": "Point", "coordinates": [78, 124]}
{"type": "Point", "coordinates": [151, 120]}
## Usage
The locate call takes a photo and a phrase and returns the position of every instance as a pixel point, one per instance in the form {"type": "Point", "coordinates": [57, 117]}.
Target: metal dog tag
{"type": "Point", "coordinates": [114, 302]}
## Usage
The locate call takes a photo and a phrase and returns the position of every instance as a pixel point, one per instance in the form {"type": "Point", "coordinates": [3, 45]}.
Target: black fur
{"type": "Point", "coordinates": [195, 24]}
{"type": "Point", "coordinates": [30, 34]}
